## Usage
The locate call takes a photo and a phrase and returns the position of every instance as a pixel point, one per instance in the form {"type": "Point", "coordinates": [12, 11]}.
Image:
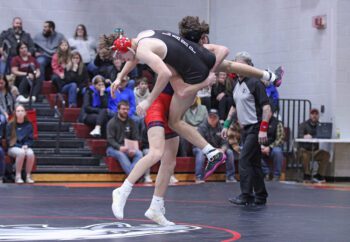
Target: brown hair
{"type": "Point", "coordinates": [63, 57]}
{"type": "Point", "coordinates": [13, 122]}
{"type": "Point", "coordinates": [81, 63]}
{"type": "Point", "coordinates": [123, 102]}
{"type": "Point", "coordinates": [191, 23]}
{"type": "Point", "coordinates": [104, 44]}
{"type": "Point", "coordinates": [85, 36]}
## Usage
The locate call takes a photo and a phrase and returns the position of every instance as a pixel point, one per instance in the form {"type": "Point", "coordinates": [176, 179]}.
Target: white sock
{"type": "Point", "coordinates": [126, 186]}
{"type": "Point", "coordinates": [266, 76]}
{"type": "Point", "coordinates": [209, 151]}
{"type": "Point", "coordinates": [157, 202]}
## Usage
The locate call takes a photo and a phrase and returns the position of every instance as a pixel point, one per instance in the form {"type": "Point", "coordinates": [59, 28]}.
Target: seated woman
{"type": "Point", "coordinates": [86, 46]}
{"type": "Point", "coordinates": [95, 103]}
{"type": "Point", "coordinates": [75, 78]}
{"type": "Point", "coordinates": [59, 61]}
{"type": "Point", "coordinates": [20, 140]}
{"type": "Point", "coordinates": [27, 71]}
{"type": "Point", "coordinates": [7, 102]}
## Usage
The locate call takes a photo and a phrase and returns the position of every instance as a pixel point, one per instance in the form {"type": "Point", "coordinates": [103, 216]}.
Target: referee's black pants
{"type": "Point", "coordinates": [251, 175]}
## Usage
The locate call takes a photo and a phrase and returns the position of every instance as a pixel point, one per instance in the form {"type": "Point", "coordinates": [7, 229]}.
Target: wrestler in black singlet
{"type": "Point", "coordinates": [191, 61]}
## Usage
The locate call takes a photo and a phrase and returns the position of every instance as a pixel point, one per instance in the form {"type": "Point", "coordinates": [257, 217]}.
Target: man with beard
{"type": "Point", "coordinates": [9, 39]}
{"type": "Point", "coordinates": [46, 44]}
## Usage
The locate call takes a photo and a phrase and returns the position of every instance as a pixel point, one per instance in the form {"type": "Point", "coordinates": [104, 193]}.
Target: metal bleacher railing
{"type": "Point", "coordinates": [59, 114]}
{"type": "Point", "coordinates": [292, 112]}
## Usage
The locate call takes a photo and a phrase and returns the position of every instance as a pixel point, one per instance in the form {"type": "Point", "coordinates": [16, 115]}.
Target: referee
{"type": "Point", "coordinates": [251, 107]}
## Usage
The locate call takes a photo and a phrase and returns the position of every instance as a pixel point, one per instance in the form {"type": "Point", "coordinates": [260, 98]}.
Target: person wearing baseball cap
{"type": "Point", "coordinates": [308, 130]}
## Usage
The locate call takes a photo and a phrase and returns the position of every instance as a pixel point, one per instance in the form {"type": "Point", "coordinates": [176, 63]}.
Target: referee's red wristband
{"type": "Point", "coordinates": [264, 126]}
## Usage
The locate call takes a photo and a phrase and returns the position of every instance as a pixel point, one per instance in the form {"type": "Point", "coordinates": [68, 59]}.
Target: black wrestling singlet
{"type": "Point", "coordinates": [190, 60]}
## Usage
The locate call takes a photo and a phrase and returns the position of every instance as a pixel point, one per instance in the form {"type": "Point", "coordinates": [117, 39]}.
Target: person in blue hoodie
{"type": "Point", "coordinates": [94, 108]}
{"type": "Point", "coordinates": [19, 137]}
{"type": "Point", "coordinates": [124, 93]}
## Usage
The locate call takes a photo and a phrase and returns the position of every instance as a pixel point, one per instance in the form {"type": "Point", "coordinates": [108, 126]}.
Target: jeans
{"type": "Point", "coordinates": [43, 61]}
{"type": "Point", "coordinates": [276, 154]}
{"type": "Point", "coordinates": [2, 67]}
{"type": "Point", "coordinates": [200, 159]}
{"type": "Point", "coordinates": [92, 68]}
{"type": "Point", "coordinates": [123, 159]}
{"type": "Point", "coordinates": [71, 90]}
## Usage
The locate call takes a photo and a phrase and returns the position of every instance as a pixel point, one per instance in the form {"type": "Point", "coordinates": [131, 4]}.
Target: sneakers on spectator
{"type": "Point", "coordinates": [307, 178]}
{"type": "Point", "coordinates": [147, 178]}
{"type": "Point", "coordinates": [199, 180]}
{"type": "Point", "coordinates": [22, 99]}
{"type": "Point", "coordinates": [96, 132]}
{"type": "Point", "coordinates": [318, 179]}
{"type": "Point", "coordinates": [213, 164]}
{"type": "Point", "coordinates": [173, 180]}
{"type": "Point", "coordinates": [119, 200]}
{"type": "Point", "coordinates": [33, 99]}
{"type": "Point", "coordinates": [230, 180]}
{"type": "Point", "coordinates": [157, 216]}
{"type": "Point", "coordinates": [19, 180]}
{"type": "Point", "coordinates": [29, 179]}
{"type": "Point", "coordinates": [279, 72]}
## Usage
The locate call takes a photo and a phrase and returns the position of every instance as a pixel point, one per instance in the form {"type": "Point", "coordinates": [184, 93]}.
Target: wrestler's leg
{"type": "Point", "coordinates": [178, 106]}
{"type": "Point", "coordinates": [250, 71]}
{"type": "Point", "coordinates": [167, 166]}
{"type": "Point", "coordinates": [156, 211]}
{"type": "Point", "coordinates": [156, 141]}
{"type": "Point", "coordinates": [156, 148]}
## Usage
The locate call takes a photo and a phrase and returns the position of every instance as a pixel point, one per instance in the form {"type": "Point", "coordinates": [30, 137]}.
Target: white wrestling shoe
{"type": "Point", "coordinates": [119, 200]}
{"type": "Point", "coordinates": [157, 216]}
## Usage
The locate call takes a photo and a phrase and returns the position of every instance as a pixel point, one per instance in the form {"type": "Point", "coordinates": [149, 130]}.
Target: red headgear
{"type": "Point", "coordinates": [122, 44]}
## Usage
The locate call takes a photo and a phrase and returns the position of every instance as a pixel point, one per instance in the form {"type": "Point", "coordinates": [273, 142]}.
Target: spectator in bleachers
{"type": "Point", "coordinates": [210, 129]}
{"type": "Point", "coordinates": [27, 71]}
{"type": "Point", "coordinates": [2, 164]}
{"type": "Point", "coordinates": [141, 91]}
{"type": "Point", "coordinates": [307, 130]}
{"type": "Point", "coordinates": [127, 94]}
{"type": "Point", "coordinates": [104, 58]}
{"type": "Point", "coordinates": [205, 96]}
{"type": "Point", "coordinates": [2, 153]}
{"type": "Point", "coordinates": [19, 136]}
{"type": "Point", "coordinates": [272, 150]}
{"type": "Point", "coordinates": [118, 65]}
{"type": "Point", "coordinates": [86, 46]}
{"type": "Point", "coordinates": [46, 44]}
{"type": "Point", "coordinates": [234, 138]}
{"type": "Point", "coordinates": [76, 78]}
{"type": "Point", "coordinates": [59, 62]}
{"type": "Point", "coordinates": [9, 39]}
{"type": "Point", "coordinates": [119, 128]}
{"type": "Point", "coordinates": [7, 102]}
{"type": "Point", "coordinates": [221, 94]}
{"type": "Point", "coordinates": [94, 108]}
{"type": "Point", "coordinates": [194, 116]}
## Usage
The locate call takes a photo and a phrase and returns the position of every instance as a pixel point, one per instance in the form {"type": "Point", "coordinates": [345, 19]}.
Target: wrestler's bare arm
{"type": "Point", "coordinates": [220, 51]}
{"type": "Point", "coordinates": [129, 66]}
{"type": "Point", "coordinates": [164, 74]}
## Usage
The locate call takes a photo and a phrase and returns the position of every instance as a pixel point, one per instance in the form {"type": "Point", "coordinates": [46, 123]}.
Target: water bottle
{"type": "Point", "coordinates": [337, 133]}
